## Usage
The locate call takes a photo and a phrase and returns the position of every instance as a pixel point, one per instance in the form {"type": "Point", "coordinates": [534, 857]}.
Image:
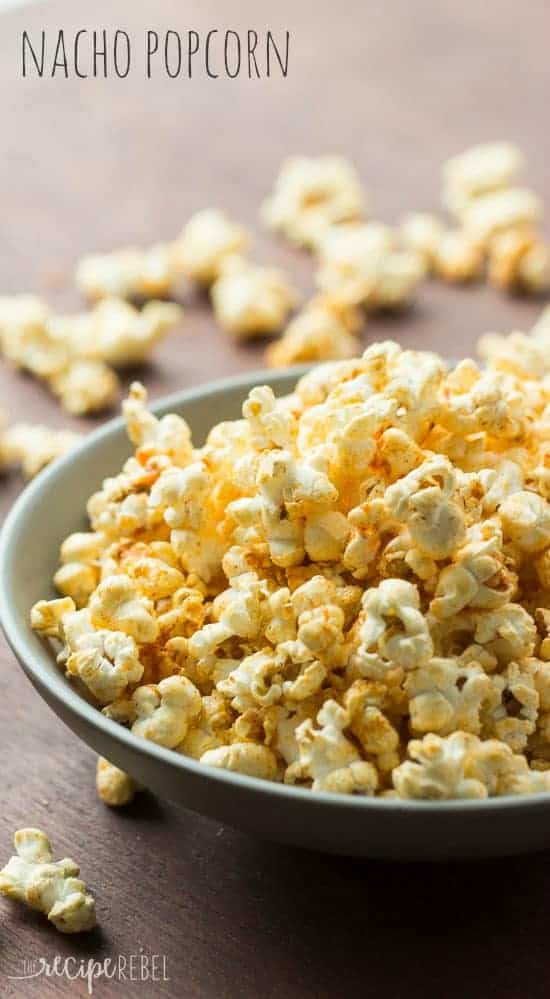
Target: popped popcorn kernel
{"type": "Point", "coordinates": [52, 887]}
{"type": "Point", "coordinates": [114, 787]}
{"type": "Point", "coordinates": [311, 194]}
{"type": "Point", "coordinates": [207, 240]}
{"type": "Point", "coordinates": [130, 272]}
{"type": "Point", "coordinates": [251, 301]}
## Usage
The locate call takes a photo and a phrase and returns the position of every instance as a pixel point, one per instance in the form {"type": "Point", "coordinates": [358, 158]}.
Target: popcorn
{"type": "Point", "coordinates": [244, 758]}
{"type": "Point", "coordinates": [422, 233]}
{"type": "Point", "coordinates": [53, 888]}
{"type": "Point", "coordinates": [74, 353]}
{"type": "Point", "coordinates": [114, 787]}
{"type": "Point", "coordinates": [458, 256]}
{"type": "Point", "coordinates": [311, 194]}
{"type": "Point", "coordinates": [323, 331]}
{"type": "Point", "coordinates": [114, 332]}
{"type": "Point", "coordinates": [520, 261]}
{"type": "Point", "coordinates": [439, 769]}
{"type": "Point", "coordinates": [131, 272]}
{"type": "Point", "coordinates": [251, 301]}
{"type": "Point", "coordinates": [34, 446]}
{"type": "Point", "coordinates": [165, 711]}
{"type": "Point", "coordinates": [486, 217]}
{"type": "Point", "coordinates": [480, 170]}
{"type": "Point", "coordinates": [206, 242]}
{"type": "Point", "coordinates": [330, 576]}
{"type": "Point", "coordinates": [328, 758]}
{"type": "Point", "coordinates": [393, 629]}
{"type": "Point", "coordinates": [360, 265]}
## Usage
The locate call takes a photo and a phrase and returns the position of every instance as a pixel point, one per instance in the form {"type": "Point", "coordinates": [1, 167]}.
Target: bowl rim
{"type": "Point", "coordinates": [34, 664]}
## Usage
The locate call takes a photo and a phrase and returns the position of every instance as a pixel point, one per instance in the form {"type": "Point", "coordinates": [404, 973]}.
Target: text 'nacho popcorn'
{"type": "Point", "coordinates": [52, 887]}
{"type": "Point", "coordinates": [345, 590]}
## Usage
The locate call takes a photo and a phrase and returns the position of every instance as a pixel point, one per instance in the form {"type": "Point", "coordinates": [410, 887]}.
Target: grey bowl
{"type": "Point", "coordinates": [50, 508]}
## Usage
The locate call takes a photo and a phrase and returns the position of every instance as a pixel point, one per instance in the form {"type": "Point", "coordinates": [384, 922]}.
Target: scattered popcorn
{"type": "Point", "coordinates": [458, 257]}
{"type": "Point", "coordinates": [32, 447]}
{"type": "Point", "coordinates": [520, 261]}
{"type": "Point", "coordinates": [251, 301]}
{"type": "Point", "coordinates": [345, 589]}
{"type": "Point", "coordinates": [479, 171]}
{"type": "Point", "coordinates": [206, 242]}
{"type": "Point", "coordinates": [114, 787]}
{"type": "Point", "coordinates": [73, 354]}
{"type": "Point", "coordinates": [511, 208]}
{"type": "Point", "coordinates": [360, 265]}
{"type": "Point", "coordinates": [323, 331]}
{"type": "Point", "coordinates": [114, 332]}
{"type": "Point", "coordinates": [422, 233]}
{"type": "Point", "coordinates": [311, 194]}
{"type": "Point", "coordinates": [131, 272]}
{"type": "Point", "coordinates": [53, 888]}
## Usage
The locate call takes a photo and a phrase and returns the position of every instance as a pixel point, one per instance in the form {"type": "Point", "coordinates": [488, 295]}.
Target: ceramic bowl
{"type": "Point", "coordinates": [53, 506]}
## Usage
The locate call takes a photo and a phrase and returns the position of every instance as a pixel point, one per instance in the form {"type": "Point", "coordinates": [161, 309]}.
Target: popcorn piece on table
{"type": "Point", "coordinates": [359, 264]}
{"type": "Point", "coordinates": [479, 171]}
{"type": "Point", "coordinates": [130, 272]}
{"type": "Point", "coordinates": [312, 193]}
{"type": "Point", "coordinates": [513, 208]}
{"type": "Point", "coordinates": [458, 257]}
{"type": "Point", "coordinates": [34, 446]}
{"type": "Point", "coordinates": [251, 301]}
{"type": "Point", "coordinates": [519, 260]}
{"type": "Point", "coordinates": [207, 240]}
{"type": "Point", "coordinates": [323, 331]}
{"type": "Point", "coordinates": [53, 888]}
{"type": "Point", "coordinates": [114, 787]}
{"type": "Point", "coordinates": [422, 233]}
{"type": "Point", "coordinates": [114, 331]}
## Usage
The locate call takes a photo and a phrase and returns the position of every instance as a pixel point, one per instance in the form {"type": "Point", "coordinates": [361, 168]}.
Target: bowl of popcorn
{"type": "Point", "coordinates": [323, 619]}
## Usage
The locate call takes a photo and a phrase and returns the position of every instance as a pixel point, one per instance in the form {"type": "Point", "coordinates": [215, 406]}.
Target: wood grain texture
{"type": "Point", "coordinates": [397, 86]}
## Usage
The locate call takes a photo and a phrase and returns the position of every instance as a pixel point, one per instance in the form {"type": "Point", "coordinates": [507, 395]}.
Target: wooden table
{"type": "Point", "coordinates": [398, 86]}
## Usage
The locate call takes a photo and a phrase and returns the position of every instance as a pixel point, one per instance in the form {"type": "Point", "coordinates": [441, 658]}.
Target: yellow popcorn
{"type": "Point", "coordinates": [422, 233]}
{"type": "Point", "coordinates": [361, 265]}
{"type": "Point", "coordinates": [329, 576]}
{"type": "Point", "coordinates": [130, 272]}
{"type": "Point", "coordinates": [323, 331]}
{"type": "Point", "coordinates": [52, 887]}
{"type": "Point", "coordinates": [164, 712]}
{"type": "Point", "coordinates": [74, 354]}
{"type": "Point", "coordinates": [488, 216]}
{"type": "Point", "coordinates": [251, 301]}
{"type": "Point", "coordinates": [519, 261]}
{"type": "Point", "coordinates": [114, 332]}
{"type": "Point", "coordinates": [243, 758]}
{"type": "Point", "coordinates": [207, 240]}
{"type": "Point", "coordinates": [458, 256]}
{"type": "Point", "coordinates": [114, 787]}
{"type": "Point", "coordinates": [33, 446]}
{"type": "Point", "coordinates": [312, 193]}
{"type": "Point", "coordinates": [478, 171]}
{"type": "Point", "coordinates": [117, 604]}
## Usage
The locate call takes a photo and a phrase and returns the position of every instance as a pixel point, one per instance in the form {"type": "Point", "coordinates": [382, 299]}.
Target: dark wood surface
{"type": "Point", "coordinates": [397, 86]}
